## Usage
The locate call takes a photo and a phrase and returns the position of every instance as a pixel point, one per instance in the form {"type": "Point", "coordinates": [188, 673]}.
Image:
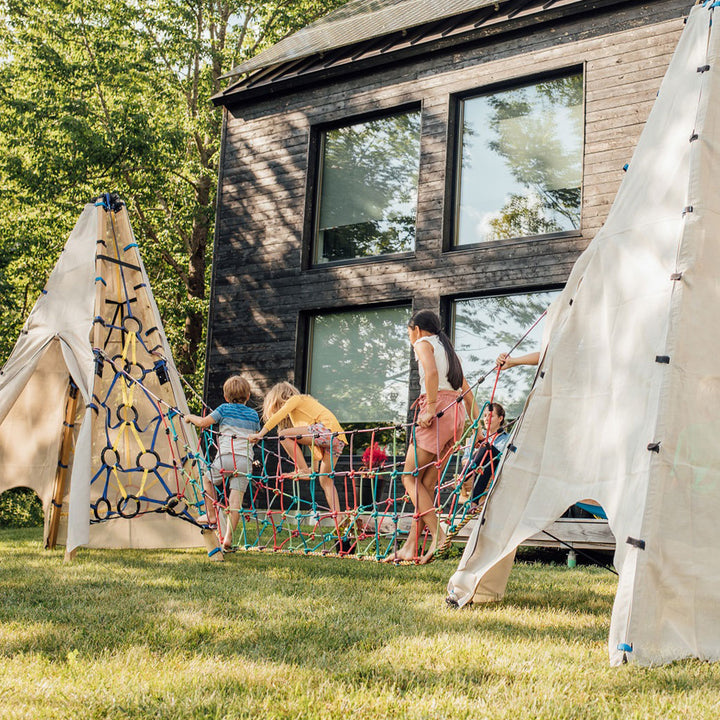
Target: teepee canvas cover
{"type": "Point", "coordinates": [127, 452]}
{"type": "Point", "coordinates": [626, 404]}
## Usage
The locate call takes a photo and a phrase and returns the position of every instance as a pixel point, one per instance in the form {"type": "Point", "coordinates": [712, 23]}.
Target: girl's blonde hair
{"type": "Point", "coordinates": [276, 397]}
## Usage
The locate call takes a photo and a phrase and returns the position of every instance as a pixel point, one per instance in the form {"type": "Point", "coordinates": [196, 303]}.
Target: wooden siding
{"type": "Point", "coordinates": [261, 282]}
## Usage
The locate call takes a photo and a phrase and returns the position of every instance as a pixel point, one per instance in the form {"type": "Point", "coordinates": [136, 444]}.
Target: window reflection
{"type": "Point", "coordinates": [360, 364]}
{"type": "Point", "coordinates": [485, 327]}
{"type": "Point", "coordinates": [520, 165]}
{"type": "Point", "coordinates": [368, 188]}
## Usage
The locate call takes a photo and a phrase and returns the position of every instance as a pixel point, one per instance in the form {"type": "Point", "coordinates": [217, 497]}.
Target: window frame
{"type": "Point", "coordinates": [449, 307]}
{"type": "Point", "coordinates": [457, 101]}
{"type": "Point", "coordinates": [313, 193]}
{"type": "Point", "coordinates": [306, 329]}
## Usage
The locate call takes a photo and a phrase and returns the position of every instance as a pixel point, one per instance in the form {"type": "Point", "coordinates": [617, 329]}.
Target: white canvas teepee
{"type": "Point", "coordinates": [626, 404]}
{"type": "Point", "coordinates": [90, 394]}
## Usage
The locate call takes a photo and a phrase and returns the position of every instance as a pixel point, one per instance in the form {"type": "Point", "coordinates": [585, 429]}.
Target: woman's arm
{"type": "Point", "coordinates": [426, 357]}
{"type": "Point", "coordinates": [472, 408]}
{"type": "Point", "coordinates": [505, 361]}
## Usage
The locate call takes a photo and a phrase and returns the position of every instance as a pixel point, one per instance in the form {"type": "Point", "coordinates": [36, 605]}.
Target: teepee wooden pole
{"type": "Point", "coordinates": [62, 466]}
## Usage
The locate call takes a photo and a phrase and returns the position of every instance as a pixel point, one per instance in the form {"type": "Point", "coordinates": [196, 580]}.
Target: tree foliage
{"type": "Point", "coordinates": [363, 360]}
{"type": "Point", "coordinates": [115, 96]}
{"type": "Point", "coordinates": [20, 507]}
{"type": "Point", "coordinates": [486, 326]}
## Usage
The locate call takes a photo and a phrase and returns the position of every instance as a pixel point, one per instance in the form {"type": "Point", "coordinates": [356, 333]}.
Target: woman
{"type": "Point", "coordinates": [441, 378]}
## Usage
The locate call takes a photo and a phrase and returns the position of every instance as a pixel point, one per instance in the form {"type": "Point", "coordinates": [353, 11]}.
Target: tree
{"type": "Point", "coordinates": [116, 96]}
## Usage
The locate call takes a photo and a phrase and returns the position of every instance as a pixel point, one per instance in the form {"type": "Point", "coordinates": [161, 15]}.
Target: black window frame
{"type": "Point", "coordinates": [451, 215]}
{"type": "Point", "coordinates": [313, 191]}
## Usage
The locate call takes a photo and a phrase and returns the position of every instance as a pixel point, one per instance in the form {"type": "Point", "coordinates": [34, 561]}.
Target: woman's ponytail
{"type": "Point", "coordinates": [427, 320]}
{"type": "Point", "coordinates": [455, 373]}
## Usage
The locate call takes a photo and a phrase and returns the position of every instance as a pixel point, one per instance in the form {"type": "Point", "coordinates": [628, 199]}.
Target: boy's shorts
{"type": "Point", "coordinates": [324, 438]}
{"type": "Point", "coordinates": [233, 467]}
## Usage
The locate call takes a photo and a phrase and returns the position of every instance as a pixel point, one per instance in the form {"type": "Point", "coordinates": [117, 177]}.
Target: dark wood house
{"type": "Point", "coordinates": [408, 154]}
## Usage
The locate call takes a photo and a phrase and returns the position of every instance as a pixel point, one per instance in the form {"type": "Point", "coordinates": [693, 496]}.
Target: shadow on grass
{"type": "Point", "coordinates": [343, 617]}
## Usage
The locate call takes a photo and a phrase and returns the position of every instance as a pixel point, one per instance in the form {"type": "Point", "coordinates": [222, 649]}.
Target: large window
{"type": "Point", "coordinates": [485, 327]}
{"type": "Point", "coordinates": [360, 364]}
{"type": "Point", "coordinates": [368, 188]}
{"type": "Point", "coordinates": [520, 161]}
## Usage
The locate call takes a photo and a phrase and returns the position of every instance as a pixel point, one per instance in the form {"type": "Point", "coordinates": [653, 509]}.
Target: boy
{"type": "Point", "coordinates": [234, 457]}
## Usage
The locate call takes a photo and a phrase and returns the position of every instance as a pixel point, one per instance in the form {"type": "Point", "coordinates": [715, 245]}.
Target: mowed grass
{"type": "Point", "coordinates": [167, 634]}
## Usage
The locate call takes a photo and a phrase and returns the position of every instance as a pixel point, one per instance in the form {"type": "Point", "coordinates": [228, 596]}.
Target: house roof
{"type": "Point", "coordinates": [354, 22]}
{"type": "Point", "coordinates": [365, 34]}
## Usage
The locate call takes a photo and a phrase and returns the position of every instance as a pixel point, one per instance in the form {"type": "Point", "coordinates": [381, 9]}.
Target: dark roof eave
{"type": "Point", "coordinates": [239, 93]}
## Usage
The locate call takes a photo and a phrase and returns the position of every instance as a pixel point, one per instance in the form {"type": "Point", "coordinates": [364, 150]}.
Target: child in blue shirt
{"type": "Point", "coordinates": [480, 463]}
{"type": "Point", "coordinates": [236, 422]}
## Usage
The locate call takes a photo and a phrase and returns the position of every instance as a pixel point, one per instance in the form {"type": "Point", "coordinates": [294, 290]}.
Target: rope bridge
{"type": "Point", "coordinates": [145, 461]}
{"type": "Point", "coordinates": [282, 510]}
{"type": "Point", "coordinates": [286, 511]}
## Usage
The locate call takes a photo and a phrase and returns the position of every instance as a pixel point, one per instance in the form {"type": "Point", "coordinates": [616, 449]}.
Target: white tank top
{"type": "Point", "coordinates": [441, 362]}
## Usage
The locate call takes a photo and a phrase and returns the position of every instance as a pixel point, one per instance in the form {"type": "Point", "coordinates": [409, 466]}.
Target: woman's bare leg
{"type": "Point", "coordinates": [431, 481]}
{"type": "Point", "coordinates": [419, 496]}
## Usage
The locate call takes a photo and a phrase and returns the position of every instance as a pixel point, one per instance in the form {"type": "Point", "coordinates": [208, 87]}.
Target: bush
{"type": "Point", "coordinates": [20, 508]}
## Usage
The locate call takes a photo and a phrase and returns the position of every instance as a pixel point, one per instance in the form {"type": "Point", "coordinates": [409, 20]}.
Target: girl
{"type": "Point", "coordinates": [304, 421]}
{"type": "Point", "coordinates": [441, 377]}
{"type": "Point", "coordinates": [486, 457]}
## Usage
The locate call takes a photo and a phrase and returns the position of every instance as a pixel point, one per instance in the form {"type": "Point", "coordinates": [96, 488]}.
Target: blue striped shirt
{"type": "Point", "coordinates": [236, 423]}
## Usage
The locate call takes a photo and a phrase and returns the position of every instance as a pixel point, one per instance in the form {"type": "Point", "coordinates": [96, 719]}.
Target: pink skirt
{"type": "Point", "coordinates": [445, 430]}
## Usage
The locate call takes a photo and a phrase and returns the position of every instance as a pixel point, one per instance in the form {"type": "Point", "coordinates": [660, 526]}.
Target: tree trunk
{"type": "Point", "coordinates": [194, 320]}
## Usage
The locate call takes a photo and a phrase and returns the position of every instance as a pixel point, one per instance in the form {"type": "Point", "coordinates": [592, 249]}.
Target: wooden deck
{"type": "Point", "coordinates": [580, 533]}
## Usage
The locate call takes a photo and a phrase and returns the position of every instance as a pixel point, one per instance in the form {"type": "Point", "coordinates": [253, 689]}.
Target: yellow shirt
{"type": "Point", "coordinates": [305, 410]}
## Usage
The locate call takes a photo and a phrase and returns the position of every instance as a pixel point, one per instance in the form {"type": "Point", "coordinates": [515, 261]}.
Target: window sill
{"type": "Point", "coordinates": [511, 242]}
{"type": "Point", "coordinates": [390, 257]}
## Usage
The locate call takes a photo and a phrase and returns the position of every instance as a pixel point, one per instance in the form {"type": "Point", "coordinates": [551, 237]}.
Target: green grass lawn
{"type": "Point", "coordinates": [167, 634]}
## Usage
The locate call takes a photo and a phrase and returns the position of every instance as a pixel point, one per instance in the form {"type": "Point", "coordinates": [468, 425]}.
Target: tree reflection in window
{"type": "Point", "coordinates": [521, 161]}
{"type": "Point", "coordinates": [368, 195]}
{"type": "Point", "coordinates": [485, 327]}
{"type": "Point", "coordinates": [360, 364]}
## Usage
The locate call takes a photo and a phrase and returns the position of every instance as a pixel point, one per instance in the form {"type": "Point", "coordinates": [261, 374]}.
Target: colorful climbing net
{"type": "Point", "coordinates": [139, 445]}
{"type": "Point", "coordinates": [284, 510]}
{"type": "Point", "coordinates": [148, 462]}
